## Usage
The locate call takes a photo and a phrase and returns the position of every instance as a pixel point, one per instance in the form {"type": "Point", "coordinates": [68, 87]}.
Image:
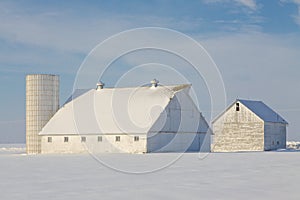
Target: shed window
{"type": "Point", "coordinates": [237, 106]}
{"type": "Point", "coordinates": [50, 139]}
{"type": "Point", "coordinates": [83, 139]}
{"type": "Point", "coordinates": [118, 138]}
{"type": "Point", "coordinates": [136, 138]}
{"type": "Point", "coordinates": [66, 139]}
{"type": "Point", "coordinates": [99, 138]}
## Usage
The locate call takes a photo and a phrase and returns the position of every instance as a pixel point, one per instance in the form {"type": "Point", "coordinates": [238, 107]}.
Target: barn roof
{"type": "Point", "coordinates": [76, 93]}
{"type": "Point", "coordinates": [263, 111]}
{"type": "Point", "coordinates": [137, 107]}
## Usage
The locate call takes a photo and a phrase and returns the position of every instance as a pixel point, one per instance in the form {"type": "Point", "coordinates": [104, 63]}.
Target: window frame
{"type": "Point", "coordinates": [136, 138]}
{"type": "Point", "coordinates": [66, 139]}
{"type": "Point", "coordinates": [83, 139]}
{"type": "Point", "coordinates": [237, 107]}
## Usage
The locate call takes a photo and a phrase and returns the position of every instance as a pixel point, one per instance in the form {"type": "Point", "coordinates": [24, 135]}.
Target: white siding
{"type": "Point", "coordinates": [173, 142]}
{"type": "Point", "coordinates": [168, 111]}
{"type": "Point", "coordinates": [238, 131]}
{"type": "Point", "coordinates": [180, 128]}
{"type": "Point", "coordinates": [92, 145]}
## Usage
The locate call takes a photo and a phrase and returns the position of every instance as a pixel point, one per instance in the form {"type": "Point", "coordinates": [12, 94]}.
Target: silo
{"type": "Point", "coordinates": [42, 102]}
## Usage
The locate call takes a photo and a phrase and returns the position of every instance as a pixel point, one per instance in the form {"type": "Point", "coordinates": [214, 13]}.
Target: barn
{"type": "Point", "coordinates": [151, 118]}
{"type": "Point", "coordinates": [248, 125]}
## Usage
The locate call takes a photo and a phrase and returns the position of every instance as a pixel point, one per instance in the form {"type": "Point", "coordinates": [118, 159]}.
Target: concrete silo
{"type": "Point", "coordinates": [42, 102]}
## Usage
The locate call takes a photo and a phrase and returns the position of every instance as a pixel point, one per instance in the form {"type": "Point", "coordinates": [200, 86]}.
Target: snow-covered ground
{"type": "Point", "coordinates": [292, 145]}
{"type": "Point", "coordinates": [12, 148]}
{"type": "Point", "coordinates": [261, 175]}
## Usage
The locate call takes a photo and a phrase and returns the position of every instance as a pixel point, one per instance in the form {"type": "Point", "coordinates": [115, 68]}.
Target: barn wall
{"type": "Point", "coordinates": [238, 131]}
{"type": "Point", "coordinates": [275, 136]}
{"type": "Point", "coordinates": [180, 128]}
{"type": "Point", "coordinates": [107, 145]}
{"type": "Point", "coordinates": [173, 142]}
{"type": "Point", "coordinates": [205, 142]}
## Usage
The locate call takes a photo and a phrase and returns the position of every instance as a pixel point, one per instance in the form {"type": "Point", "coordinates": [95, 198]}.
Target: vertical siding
{"type": "Point", "coordinates": [238, 131]}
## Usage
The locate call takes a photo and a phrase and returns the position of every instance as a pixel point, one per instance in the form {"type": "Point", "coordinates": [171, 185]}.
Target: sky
{"type": "Point", "coordinates": [255, 45]}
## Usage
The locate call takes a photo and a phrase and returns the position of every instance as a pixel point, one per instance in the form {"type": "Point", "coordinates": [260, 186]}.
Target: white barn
{"type": "Point", "coordinates": [248, 126]}
{"type": "Point", "coordinates": [144, 119]}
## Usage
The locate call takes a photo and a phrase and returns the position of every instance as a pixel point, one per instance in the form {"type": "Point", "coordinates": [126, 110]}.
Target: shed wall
{"type": "Point", "coordinates": [238, 131]}
{"type": "Point", "coordinates": [275, 136]}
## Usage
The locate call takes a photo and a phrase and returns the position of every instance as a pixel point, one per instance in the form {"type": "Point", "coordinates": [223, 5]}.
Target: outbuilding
{"type": "Point", "coordinates": [248, 125]}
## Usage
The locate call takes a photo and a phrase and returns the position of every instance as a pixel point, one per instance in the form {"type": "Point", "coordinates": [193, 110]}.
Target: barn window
{"type": "Point", "coordinates": [277, 142]}
{"type": "Point", "coordinates": [83, 139]}
{"type": "Point", "coordinates": [237, 106]}
{"type": "Point", "coordinates": [99, 138]}
{"type": "Point", "coordinates": [50, 139]}
{"type": "Point", "coordinates": [136, 138]}
{"type": "Point", "coordinates": [66, 139]}
{"type": "Point", "coordinates": [118, 138]}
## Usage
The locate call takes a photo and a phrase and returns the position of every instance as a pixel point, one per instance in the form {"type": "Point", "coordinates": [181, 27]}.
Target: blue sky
{"type": "Point", "coordinates": [255, 44]}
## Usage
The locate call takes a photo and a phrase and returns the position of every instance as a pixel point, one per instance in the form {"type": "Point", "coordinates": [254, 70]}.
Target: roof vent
{"type": "Point", "coordinates": [154, 83]}
{"type": "Point", "coordinates": [100, 85]}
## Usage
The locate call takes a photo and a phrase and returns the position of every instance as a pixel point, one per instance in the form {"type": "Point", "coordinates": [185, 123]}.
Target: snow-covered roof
{"type": "Point", "coordinates": [263, 111]}
{"type": "Point", "coordinates": [76, 93]}
{"type": "Point", "coordinates": [112, 110]}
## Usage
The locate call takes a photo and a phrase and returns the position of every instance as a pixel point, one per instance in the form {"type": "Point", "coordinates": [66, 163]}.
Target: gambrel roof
{"type": "Point", "coordinates": [122, 110]}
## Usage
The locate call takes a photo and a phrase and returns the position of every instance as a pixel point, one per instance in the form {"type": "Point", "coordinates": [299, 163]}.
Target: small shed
{"type": "Point", "coordinates": [248, 125]}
